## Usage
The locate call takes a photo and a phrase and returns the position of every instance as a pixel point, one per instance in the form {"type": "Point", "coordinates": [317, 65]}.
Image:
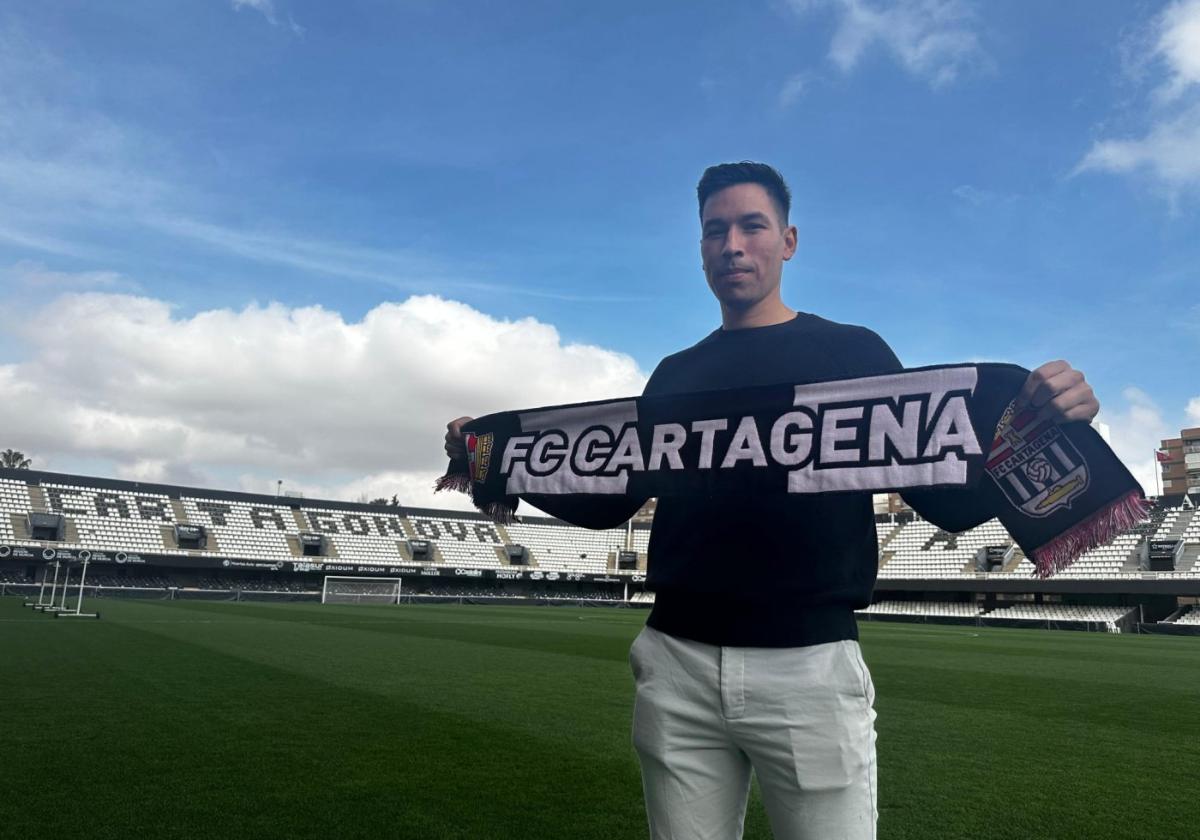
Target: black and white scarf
{"type": "Point", "coordinates": [1058, 489]}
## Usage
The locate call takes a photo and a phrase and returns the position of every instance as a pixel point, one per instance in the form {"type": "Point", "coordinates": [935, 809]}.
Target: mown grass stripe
{"type": "Point", "coordinates": [247, 720]}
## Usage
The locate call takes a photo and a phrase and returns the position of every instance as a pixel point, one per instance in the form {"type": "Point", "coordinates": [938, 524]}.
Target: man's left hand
{"type": "Point", "coordinates": [1059, 393]}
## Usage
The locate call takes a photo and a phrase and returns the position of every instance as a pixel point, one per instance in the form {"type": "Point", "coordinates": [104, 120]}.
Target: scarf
{"type": "Point", "coordinates": [1058, 489]}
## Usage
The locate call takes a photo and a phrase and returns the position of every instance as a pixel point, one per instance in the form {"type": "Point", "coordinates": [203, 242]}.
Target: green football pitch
{"type": "Point", "coordinates": [197, 720]}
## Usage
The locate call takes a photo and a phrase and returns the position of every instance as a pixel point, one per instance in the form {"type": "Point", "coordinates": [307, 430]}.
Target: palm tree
{"type": "Point", "coordinates": [14, 460]}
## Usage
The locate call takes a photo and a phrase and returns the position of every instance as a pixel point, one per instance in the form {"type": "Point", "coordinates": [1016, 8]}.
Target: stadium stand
{"type": "Point", "coordinates": [241, 529]}
{"type": "Point", "coordinates": [141, 582]}
{"type": "Point", "coordinates": [14, 500]}
{"type": "Point", "coordinates": [920, 549]}
{"type": "Point", "coordinates": [569, 549]}
{"type": "Point", "coordinates": [1175, 523]}
{"type": "Point", "coordinates": [1191, 541]}
{"type": "Point", "coordinates": [111, 519]}
{"type": "Point", "coordinates": [1191, 617]}
{"type": "Point", "coordinates": [15, 576]}
{"type": "Point", "coordinates": [885, 528]}
{"type": "Point", "coordinates": [641, 540]}
{"type": "Point", "coordinates": [253, 542]}
{"type": "Point", "coordinates": [924, 608]}
{"type": "Point", "coordinates": [139, 518]}
{"type": "Point", "coordinates": [1042, 613]}
{"type": "Point", "coordinates": [465, 542]}
{"type": "Point", "coordinates": [1105, 561]}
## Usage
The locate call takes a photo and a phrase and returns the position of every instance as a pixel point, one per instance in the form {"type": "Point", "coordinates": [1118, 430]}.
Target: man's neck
{"type": "Point", "coordinates": [763, 315]}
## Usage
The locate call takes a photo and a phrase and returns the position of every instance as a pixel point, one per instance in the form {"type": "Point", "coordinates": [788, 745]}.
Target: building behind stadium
{"type": "Point", "coordinates": [1179, 463]}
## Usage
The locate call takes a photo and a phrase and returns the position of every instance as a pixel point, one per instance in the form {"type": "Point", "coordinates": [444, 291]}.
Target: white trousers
{"type": "Point", "coordinates": [801, 718]}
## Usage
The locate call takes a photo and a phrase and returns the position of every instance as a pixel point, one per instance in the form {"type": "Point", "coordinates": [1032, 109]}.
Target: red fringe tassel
{"type": "Point", "coordinates": [499, 513]}
{"type": "Point", "coordinates": [496, 511]}
{"type": "Point", "coordinates": [453, 481]}
{"type": "Point", "coordinates": [1097, 529]}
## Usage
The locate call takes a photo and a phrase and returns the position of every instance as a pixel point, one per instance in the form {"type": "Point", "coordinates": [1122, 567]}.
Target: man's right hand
{"type": "Point", "coordinates": [456, 450]}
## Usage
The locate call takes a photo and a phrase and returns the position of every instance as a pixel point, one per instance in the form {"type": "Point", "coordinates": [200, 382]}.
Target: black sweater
{"type": "Point", "coordinates": [772, 570]}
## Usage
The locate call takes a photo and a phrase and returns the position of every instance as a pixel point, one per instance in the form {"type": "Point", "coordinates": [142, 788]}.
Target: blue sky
{"type": "Point", "coordinates": [1018, 182]}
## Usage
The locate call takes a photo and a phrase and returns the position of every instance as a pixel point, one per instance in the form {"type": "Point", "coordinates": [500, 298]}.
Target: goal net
{"type": "Point", "coordinates": [360, 590]}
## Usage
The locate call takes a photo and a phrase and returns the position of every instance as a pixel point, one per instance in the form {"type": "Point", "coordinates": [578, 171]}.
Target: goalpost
{"type": "Point", "coordinates": [344, 589]}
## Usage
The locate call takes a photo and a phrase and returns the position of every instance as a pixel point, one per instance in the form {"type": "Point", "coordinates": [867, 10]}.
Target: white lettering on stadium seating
{"type": "Point", "coordinates": [460, 530]}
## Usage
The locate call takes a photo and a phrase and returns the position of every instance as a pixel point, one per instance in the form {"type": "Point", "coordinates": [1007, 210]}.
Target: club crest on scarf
{"type": "Point", "coordinates": [479, 455]}
{"type": "Point", "coordinates": [1035, 465]}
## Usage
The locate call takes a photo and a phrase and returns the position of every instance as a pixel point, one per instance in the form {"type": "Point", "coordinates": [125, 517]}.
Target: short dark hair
{"type": "Point", "coordinates": [717, 178]}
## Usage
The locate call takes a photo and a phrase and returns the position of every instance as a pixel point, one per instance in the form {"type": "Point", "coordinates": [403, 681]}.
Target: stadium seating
{"type": "Point", "coordinates": [568, 549]}
{"type": "Point", "coordinates": [1032, 613]}
{"type": "Point", "coordinates": [919, 549]}
{"type": "Point", "coordinates": [1061, 612]}
{"type": "Point", "coordinates": [252, 538]}
{"type": "Point", "coordinates": [108, 519]}
{"type": "Point", "coordinates": [14, 499]}
{"type": "Point", "coordinates": [641, 540]}
{"type": "Point", "coordinates": [14, 576]}
{"type": "Point", "coordinates": [1106, 561]}
{"type": "Point", "coordinates": [116, 516]}
{"type": "Point", "coordinates": [1190, 617]}
{"type": "Point", "coordinates": [885, 530]}
{"type": "Point", "coordinates": [924, 608]}
{"type": "Point", "coordinates": [461, 541]}
{"type": "Point", "coordinates": [243, 530]}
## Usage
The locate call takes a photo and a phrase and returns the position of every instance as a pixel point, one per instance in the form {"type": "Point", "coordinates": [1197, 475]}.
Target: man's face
{"type": "Point", "coordinates": [743, 244]}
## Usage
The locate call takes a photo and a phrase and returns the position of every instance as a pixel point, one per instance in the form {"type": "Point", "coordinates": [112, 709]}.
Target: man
{"type": "Point", "coordinates": [749, 659]}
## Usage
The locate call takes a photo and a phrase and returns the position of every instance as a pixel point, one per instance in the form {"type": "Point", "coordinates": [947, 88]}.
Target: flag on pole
{"type": "Point", "coordinates": [1162, 455]}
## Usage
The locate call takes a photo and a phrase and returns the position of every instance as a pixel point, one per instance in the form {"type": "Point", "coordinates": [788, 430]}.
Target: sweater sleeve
{"type": "Point", "coordinates": [951, 509]}
{"type": "Point", "coordinates": [596, 512]}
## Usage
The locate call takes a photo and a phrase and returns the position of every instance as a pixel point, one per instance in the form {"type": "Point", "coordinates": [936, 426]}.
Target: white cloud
{"type": "Point", "coordinates": [35, 276]}
{"type": "Point", "coordinates": [305, 253]}
{"type": "Point", "coordinates": [1179, 46]}
{"type": "Point", "coordinates": [931, 39]}
{"type": "Point", "coordinates": [161, 471]}
{"type": "Point", "coordinates": [793, 89]}
{"type": "Point", "coordinates": [1193, 410]}
{"type": "Point", "coordinates": [40, 242]}
{"type": "Point", "coordinates": [412, 488]}
{"type": "Point", "coordinates": [1136, 430]}
{"type": "Point", "coordinates": [398, 268]}
{"type": "Point", "coordinates": [1168, 151]}
{"type": "Point", "coordinates": [979, 197]}
{"type": "Point", "coordinates": [267, 9]}
{"type": "Point", "coordinates": [972, 195]}
{"type": "Point", "coordinates": [268, 392]}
